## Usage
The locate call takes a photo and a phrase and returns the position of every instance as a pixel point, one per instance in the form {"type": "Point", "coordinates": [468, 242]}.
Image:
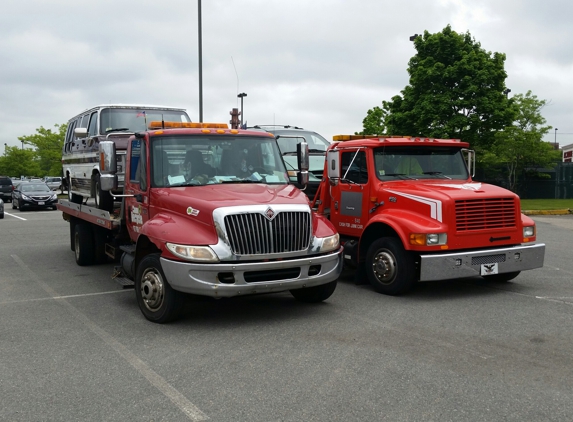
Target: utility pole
{"type": "Point", "coordinates": [200, 65]}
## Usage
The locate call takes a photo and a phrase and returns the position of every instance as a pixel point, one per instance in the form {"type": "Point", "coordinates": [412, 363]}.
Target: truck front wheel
{"type": "Point", "coordinates": [157, 300]}
{"type": "Point", "coordinates": [314, 294]}
{"type": "Point", "coordinates": [389, 267]}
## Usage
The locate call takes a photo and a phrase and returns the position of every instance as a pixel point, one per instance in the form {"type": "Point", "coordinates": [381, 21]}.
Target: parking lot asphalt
{"type": "Point", "coordinates": [74, 345]}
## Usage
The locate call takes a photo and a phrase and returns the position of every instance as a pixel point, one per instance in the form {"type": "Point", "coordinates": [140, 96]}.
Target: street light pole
{"type": "Point", "coordinates": [241, 96]}
{"type": "Point", "coordinates": [556, 135]}
{"type": "Point", "coordinates": [200, 65]}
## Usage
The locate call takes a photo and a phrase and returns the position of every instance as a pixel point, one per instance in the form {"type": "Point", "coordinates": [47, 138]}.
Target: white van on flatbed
{"type": "Point", "coordinates": [112, 122]}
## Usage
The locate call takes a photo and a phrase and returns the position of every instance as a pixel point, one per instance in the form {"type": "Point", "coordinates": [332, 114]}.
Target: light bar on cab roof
{"type": "Point", "coordinates": [340, 138]}
{"type": "Point", "coordinates": [154, 125]}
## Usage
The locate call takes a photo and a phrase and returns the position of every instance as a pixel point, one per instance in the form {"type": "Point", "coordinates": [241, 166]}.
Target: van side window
{"type": "Point", "coordinates": [70, 136]}
{"type": "Point", "coordinates": [92, 130]}
{"type": "Point", "coordinates": [84, 121]}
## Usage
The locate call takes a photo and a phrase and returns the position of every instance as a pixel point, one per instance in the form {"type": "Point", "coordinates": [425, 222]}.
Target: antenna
{"type": "Point", "coordinates": [235, 67]}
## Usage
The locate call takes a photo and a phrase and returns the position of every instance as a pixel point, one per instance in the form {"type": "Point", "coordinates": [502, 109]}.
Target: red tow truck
{"type": "Point", "coordinates": [407, 210]}
{"type": "Point", "coordinates": [206, 210]}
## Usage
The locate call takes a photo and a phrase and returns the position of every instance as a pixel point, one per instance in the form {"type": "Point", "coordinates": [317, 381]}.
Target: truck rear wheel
{"type": "Point", "coordinates": [389, 267]}
{"type": "Point", "coordinates": [83, 244]}
{"type": "Point", "coordinates": [500, 278]}
{"type": "Point", "coordinates": [103, 199]}
{"type": "Point", "coordinates": [156, 299]}
{"type": "Point", "coordinates": [314, 294]}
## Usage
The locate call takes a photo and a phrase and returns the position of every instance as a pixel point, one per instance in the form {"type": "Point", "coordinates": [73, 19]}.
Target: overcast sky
{"type": "Point", "coordinates": [317, 64]}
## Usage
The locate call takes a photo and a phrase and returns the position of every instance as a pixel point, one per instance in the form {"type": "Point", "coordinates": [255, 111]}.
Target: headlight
{"type": "Point", "coordinates": [54, 196]}
{"type": "Point", "coordinates": [529, 231]}
{"type": "Point", "coordinates": [25, 197]}
{"type": "Point", "coordinates": [428, 239]}
{"type": "Point", "coordinates": [193, 253]}
{"type": "Point", "coordinates": [330, 243]}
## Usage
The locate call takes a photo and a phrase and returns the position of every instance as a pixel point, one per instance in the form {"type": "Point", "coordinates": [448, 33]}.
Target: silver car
{"type": "Point", "coordinates": [54, 183]}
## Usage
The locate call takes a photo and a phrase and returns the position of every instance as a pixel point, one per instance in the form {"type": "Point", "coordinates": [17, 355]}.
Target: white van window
{"type": "Point", "coordinates": [134, 120]}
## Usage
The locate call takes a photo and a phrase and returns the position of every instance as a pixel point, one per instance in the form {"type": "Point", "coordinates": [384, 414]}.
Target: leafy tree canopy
{"type": "Point", "coordinates": [520, 146]}
{"type": "Point", "coordinates": [44, 159]}
{"type": "Point", "coordinates": [456, 90]}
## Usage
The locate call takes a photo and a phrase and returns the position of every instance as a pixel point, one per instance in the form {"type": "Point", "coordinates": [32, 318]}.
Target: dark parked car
{"type": "Point", "coordinates": [288, 137]}
{"type": "Point", "coordinates": [33, 195]}
{"type": "Point", "coordinates": [6, 188]}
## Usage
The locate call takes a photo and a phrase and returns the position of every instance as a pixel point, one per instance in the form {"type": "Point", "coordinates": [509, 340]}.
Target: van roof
{"type": "Point", "coordinates": [139, 106]}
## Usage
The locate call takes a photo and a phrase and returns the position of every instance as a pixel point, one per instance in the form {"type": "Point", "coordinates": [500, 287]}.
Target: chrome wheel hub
{"type": "Point", "coordinates": [152, 290]}
{"type": "Point", "coordinates": [384, 267]}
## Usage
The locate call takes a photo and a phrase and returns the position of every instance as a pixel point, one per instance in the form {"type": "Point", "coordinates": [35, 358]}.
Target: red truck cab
{"type": "Point", "coordinates": [408, 210]}
{"type": "Point", "coordinates": [209, 210]}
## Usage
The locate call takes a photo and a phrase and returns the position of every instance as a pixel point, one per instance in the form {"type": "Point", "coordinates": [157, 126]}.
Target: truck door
{"type": "Point", "coordinates": [137, 184]}
{"type": "Point", "coordinates": [349, 207]}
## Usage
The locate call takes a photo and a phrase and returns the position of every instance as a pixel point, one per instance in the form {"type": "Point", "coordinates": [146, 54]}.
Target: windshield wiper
{"type": "Point", "coordinates": [241, 181]}
{"type": "Point", "coordinates": [401, 175]}
{"type": "Point", "coordinates": [437, 173]}
{"type": "Point", "coordinates": [119, 129]}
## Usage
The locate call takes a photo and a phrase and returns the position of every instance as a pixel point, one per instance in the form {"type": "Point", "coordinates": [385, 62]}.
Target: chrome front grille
{"type": "Point", "coordinates": [485, 214]}
{"type": "Point", "coordinates": [254, 234]}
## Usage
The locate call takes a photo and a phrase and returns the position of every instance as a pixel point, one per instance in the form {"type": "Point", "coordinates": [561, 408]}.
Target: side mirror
{"type": "Point", "coordinates": [470, 156]}
{"type": "Point", "coordinates": [81, 132]}
{"type": "Point", "coordinates": [303, 162]}
{"type": "Point", "coordinates": [333, 165]}
{"type": "Point", "coordinates": [107, 165]}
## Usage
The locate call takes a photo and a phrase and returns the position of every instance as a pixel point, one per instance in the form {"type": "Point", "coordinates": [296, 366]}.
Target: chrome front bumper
{"type": "Point", "coordinates": [470, 263]}
{"type": "Point", "coordinates": [203, 279]}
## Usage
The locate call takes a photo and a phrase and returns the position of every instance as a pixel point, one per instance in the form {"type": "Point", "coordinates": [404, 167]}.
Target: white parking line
{"type": "Point", "coordinates": [192, 412]}
{"type": "Point", "coordinates": [15, 216]}
{"type": "Point", "coordinates": [64, 297]}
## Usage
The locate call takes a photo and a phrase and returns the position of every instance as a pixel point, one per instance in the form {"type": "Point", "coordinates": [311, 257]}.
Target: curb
{"type": "Point", "coordinates": [547, 212]}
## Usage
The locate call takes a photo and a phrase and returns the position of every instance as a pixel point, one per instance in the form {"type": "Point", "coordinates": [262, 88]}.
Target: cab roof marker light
{"type": "Point", "coordinates": [185, 125]}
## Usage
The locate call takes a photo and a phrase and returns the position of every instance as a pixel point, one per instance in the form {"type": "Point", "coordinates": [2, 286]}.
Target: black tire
{"type": "Point", "coordinates": [73, 235]}
{"type": "Point", "coordinates": [84, 244]}
{"type": "Point", "coordinates": [389, 267]}
{"type": "Point", "coordinates": [314, 294]}
{"type": "Point", "coordinates": [157, 301]}
{"type": "Point", "coordinates": [501, 278]}
{"type": "Point", "coordinates": [76, 199]}
{"type": "Point", "coordinates": [1, 216]}
{"type": "Point", "coordinates": [100, 239]}
{"type": "Point", "coordinates": [103, 199]}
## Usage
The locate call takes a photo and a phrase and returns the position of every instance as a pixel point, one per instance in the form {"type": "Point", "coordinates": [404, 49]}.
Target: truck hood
{"type": "Point", "coordinates": [181, 213]}
{"type": "Point", "coordinates": [444, 189]}
{"type": "Point", "coordinates": [200, 201]}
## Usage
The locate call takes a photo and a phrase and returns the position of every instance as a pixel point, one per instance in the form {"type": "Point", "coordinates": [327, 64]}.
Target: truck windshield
{"type": "Point", "coordinates": [420, 163]}
{"type": "Point", "coordinates": [190, 160]}
{"type": "Point", "coordinates": [136, 119]}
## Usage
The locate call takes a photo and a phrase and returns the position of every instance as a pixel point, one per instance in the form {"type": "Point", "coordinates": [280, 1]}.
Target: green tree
{"type": "Point", "coordinates": [520, 146]}
{"type": "Point", "coordinates": [18, 162]}
{"type": "Point", "coordinates": [373, 123]}
{"type": "Point", "coordinates": [48, 147]}
{"type": "Point", "coordinates": [456, 90]}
